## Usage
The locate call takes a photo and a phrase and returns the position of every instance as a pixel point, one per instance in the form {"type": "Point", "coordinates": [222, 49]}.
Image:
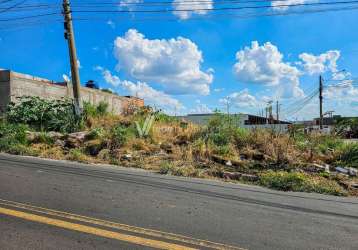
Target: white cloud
{"type": "Point", "coordinates": [219, 90]}
{"type": "Point", "coordinates": [200, 108]}
{"type": "Point", "coordinates": [199, 7]}
{"type": "Point", "coordinates": [241, 99]}
{"type": "Point", "coordinates": [264, 65]}
{"type": "Point", "coordinates": [111, 24]}
{"type": "Point", "coordinates": [174, 63]}
{"type": "Point", "coordinates": [278, 4]}
{"type": "Point", "coordinates": [342, 92]}
{"type": "Point", "coordinates": [143, 90]}
{"type": "Point", "coordinates": [129, 4]}
{"type": "Point", "coordinates": [318, 64]}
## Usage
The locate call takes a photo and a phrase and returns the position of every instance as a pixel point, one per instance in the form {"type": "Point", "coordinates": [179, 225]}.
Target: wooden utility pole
{"type": "Point", "coordinates": [69, 36]}
{"type": "Point", "coordinates": [320, 102]}
{"type": "Point", "coordinates": [277, 110]}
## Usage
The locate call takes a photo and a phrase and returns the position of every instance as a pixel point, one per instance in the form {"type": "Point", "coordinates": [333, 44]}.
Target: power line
{"type": "Point", "coordinates": [217, 9]}
{"type": "Point", "coordinates": [29, 17]}
{"type": "Point", "coordinates": [13, 6]}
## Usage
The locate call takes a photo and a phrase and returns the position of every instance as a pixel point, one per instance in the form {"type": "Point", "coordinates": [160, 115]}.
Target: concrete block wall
{"type": "Point", "coordinates": [13, 85]}
{"type": "Point", "coordinates": [4, 90]}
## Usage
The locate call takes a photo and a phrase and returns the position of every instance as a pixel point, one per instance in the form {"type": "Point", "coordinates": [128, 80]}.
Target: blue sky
{"type": "Point", "coordinates": [192, 65]}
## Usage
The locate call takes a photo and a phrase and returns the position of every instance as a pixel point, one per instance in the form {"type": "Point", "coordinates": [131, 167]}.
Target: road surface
{"type": "Point", "coordinates": [60, 205]}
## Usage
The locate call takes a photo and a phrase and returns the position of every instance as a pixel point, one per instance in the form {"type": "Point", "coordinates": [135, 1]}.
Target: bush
{"type": "Point", "coordinates": [102, 108]}
{"type": "Point", "coordinates": [77, 154]}
{"type": "Point", "coordinates": [90, 110]}
{"type": "Point", "coordinates": [12, 135]}
{"type": "Point", "coordinates": [349, 155]}
{"type": "Point", "coordinates": [43, 137]}
{"type": "Point", "coordinates": [44, 115]}
{"type": "Point", "coordinates": [327, 143]}
{"type": "Point", "coordinates": [300, 182]}
{"type": "Point", "coordinates": [119, 136]}
{"type": "Point", "coordinates": [96, 133]}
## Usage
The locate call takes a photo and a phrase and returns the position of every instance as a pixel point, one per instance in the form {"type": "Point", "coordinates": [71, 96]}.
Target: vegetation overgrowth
{"type": "Point", "coordinates": [292, 161]}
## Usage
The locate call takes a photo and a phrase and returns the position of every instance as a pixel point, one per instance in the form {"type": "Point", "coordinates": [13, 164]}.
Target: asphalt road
{"type": "Point", "coordinates": [60, 205]}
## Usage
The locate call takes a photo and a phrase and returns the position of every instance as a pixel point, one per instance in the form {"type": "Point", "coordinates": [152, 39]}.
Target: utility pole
{"type": "Point", "coordinates": [69, 36]}
{"type": "Point", "coordinates": [277, 110]}
{"type": "Point", "coordinates": [320, 102]}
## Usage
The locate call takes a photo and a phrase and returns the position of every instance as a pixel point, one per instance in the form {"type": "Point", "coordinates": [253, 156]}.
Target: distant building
{"type": "Point", "coordinates": [241, 120]}
{"type": "Point", "coordinates": [13, 85]}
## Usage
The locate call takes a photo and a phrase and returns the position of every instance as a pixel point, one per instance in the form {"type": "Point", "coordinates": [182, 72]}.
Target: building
{"type": "Point", "coordinates": [241, 120]}
{"type": "Point", "coordinates": [13, 85]}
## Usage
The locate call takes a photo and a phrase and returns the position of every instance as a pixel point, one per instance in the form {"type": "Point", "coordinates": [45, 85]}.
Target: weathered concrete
{"type": "Point", "coordinates": [13, 85]}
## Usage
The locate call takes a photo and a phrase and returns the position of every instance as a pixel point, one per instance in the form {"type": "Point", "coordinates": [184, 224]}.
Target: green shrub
{"type": "Point", "coordinates": [300, 182]}
{"type": "Point", "coordinates": [76, 154]}
{"type": "Point", "coordinates": [44, 115]}
{"type": "Point", "coordinates": [349, 155]}
{"type": "Point", "coordinates": [242, 137]}
{"type": "Point", "coordinates": [327, 143]}
{"type": "Point", "coordinates": [12, 135]}
{"type": "Point", "coordinates": [120, 135]}
{"type": "Point", "coordinates": [95, 133]}
{"type": "Point", "coordinates": [224, 150]}
{"type": "Point", "coordinates": [43, 137]}
{"type": "Point", "coordinates": [90, 110]}
{"type": "Point", "coordinates": [219, 139]}
{"type": "Point", "coordinates": [102, 108]}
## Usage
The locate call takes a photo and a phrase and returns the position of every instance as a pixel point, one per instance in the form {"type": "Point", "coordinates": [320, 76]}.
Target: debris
{"type": "Point", "coordinates": [315, 168]}
{"type": "Point", "coordinates": [342, 170]}
{"type": "Point", "coordinates": [219, 159]}
{"type": "Point", "coordinates": [59, 143]}
{"type": "Point", "coordinates": [55, 135]}
{"type": "Point", "coordinates": [228, 163]}
{"type": "Point", "coordinates": [232, 176]}
{"type": "Point", "coordinates": [352, 172]}
{"type": "Point", "coordinates": [249, 177]}
{"type": "Point", "coordinates": [127, 157]}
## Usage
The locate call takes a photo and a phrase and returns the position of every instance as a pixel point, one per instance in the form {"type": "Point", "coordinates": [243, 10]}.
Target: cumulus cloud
{"type": "Point", "coordinates": [142, 90]}
{"type": "Point", "coordinates": [241, 99]}
{"type": "Point", "coordinates": [200, 108]}
{"type": "Point", "coordinates": [277, 5]}
{"type": "Point", "coordinates": [343, 91]}
{"type": "Point", "coordinates": [129, 4]}
{"type": "Point", "coordinates": [174, 63]}
{"type": "Point", "coordinates": [264, 65]}
{"type": "Point", "coordinates": [199, 7]}
{"type": "Point", "coordinates": [318, 64]}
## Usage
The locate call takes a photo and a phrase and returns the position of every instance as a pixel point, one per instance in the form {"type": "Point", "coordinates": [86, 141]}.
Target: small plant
{"type": "Point", "coordinates": [349, 155]}
{"type": "Point", "coordinates": [43, 137]}
{"type": "Point", "coordinates": [119, 136]}
{"type": "Point", "coordinates": [76, 154]}
{"type": "Point", "coordinates": [91, 111]}
{"type": "Point", "coordinates": [95, 133]}
{"type": "Point", "coordinates": [12, 135]}
{"type": "Point", "coordinates": [102, 108]}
